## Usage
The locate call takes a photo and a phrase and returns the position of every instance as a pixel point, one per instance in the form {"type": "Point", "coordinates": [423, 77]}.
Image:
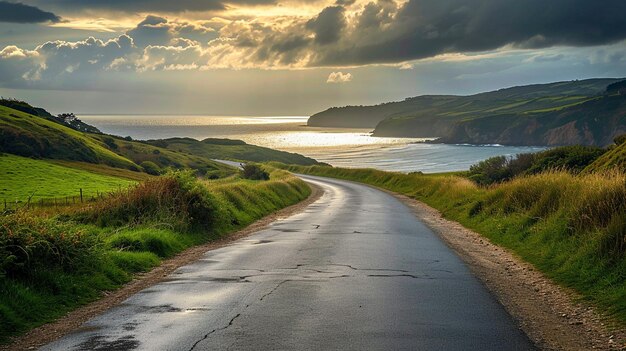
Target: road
{"type": "Point", "coordinates": [355, 271]}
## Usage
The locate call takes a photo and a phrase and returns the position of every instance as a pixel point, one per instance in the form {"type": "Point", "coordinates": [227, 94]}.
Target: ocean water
{"type": "Point", "coordinates": [338, 147]}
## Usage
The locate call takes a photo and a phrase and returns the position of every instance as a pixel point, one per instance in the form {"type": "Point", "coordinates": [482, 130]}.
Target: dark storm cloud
{"type": "Point", "coordinates": [148, 5]}
{"type": "Point", "coordinates": [20, 13]}
{"type": "Point", "coordinates": [155, 30]}
{"type": "Point", "coordinates": [328, 25]}
{"type": "Point", "coordinates": [345, 2]}
{"type": "Point", "coordinates": [425, 28]}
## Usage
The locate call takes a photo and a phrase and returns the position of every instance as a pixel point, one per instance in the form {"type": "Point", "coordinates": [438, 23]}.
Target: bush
{"type": "Point", "coordinates": [150, 167]}
{"type": "Point", "coordinates": [490, 171]}
{"type": "Point", "coordinates": [110, 142]}
{"type": "Point", "coordinates": [254, 172]}
{"type": "Point", "coordinates": [29, 244]}
{"type": "Point", "coordinates": [177, 199]}
{"type": "Point", "coordinates": [567, 158]}
{"type": "Point", "coordinates": [571, 159]}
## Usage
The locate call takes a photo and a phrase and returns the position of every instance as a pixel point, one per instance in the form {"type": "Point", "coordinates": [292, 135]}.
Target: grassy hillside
{"type": "Point", "coordinates": [564, 113]}
{"type": "Point", "coordinates": [24, 177]}
{"type": "Point", "coordinates": [594, 122]}
{"type": "Point", "coordinates": [28, 135]}
{"type": "Point", "coordinates": [231, 149]}
{"type": "Point", "coordinates": [50, 264]}
{"type": "Point", "coordinates": [572, 228]}
{"type": "Point", "coordinates": [613, 159]}
{"type": "Point", "coordinates": [162, 158]}
{"type": "Point", "coordinates": [103, 170]}
{"type": "Point", "coordinates": [510, 100]}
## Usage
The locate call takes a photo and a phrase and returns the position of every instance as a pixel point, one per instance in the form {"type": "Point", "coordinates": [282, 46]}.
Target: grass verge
{"type": "Point", "coordinates": [51, 264]}
{"type": "Point", "coordinates": [572, 228]}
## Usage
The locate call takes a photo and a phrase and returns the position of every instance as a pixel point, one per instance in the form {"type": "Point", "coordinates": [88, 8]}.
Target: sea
{"type": "Point", "coordinates": [354, 148]}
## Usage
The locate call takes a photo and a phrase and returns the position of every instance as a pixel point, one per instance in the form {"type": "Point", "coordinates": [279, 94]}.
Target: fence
{"type": "Point", "coordinates": [80, 197]}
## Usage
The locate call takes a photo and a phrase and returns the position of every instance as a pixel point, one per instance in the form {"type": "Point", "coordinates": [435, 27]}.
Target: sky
{"type": "Point", "coordinates": [294, 57]}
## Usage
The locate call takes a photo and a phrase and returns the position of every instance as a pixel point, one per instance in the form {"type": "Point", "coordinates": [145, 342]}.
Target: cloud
{"type": "Point", "coordinates": [58, 63]}
{"type": "Point", "coordinates": [546, 58]}
{"type": "Point", "coordinates": [16, 65]}
{"type": "Point", "coordinates": [143, 6]}
{"type": "Point", "coordinates": [423, 28]}
{"type": "Point", "coordinates": [374, 32]}
{"type": "Point", "coordinates": [328, 25]}
{"type": "Point", "coordinates": [158, 31]}
{"type": "Point", "coordinates": [339, 78]}
{"type": "Point", "coordinates": [20, 13]}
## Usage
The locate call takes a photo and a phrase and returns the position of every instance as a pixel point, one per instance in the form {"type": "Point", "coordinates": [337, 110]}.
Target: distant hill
{"type": "Point", "coordinates": [455, 118]}
{"type": "Point", "coordinates": [66, 119]}
{"type": "Point", "coordinates": [231, 149]}
{"type": "Point", "coordinates": [25, 134]}
{"type": "Point", "coordinates": [594, 122]}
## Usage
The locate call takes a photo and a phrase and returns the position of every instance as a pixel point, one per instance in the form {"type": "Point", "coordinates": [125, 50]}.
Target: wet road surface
{"type": "Point", "coordinates": [355, 271]}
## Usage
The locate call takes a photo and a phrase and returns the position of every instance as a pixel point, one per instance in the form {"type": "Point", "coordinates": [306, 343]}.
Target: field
{"type": "Point", "coordinates": [50, 263]}
{"type": "Point", "coordinates": [24, 177]}
{"type": "Point", "coordinates": [572, 228]}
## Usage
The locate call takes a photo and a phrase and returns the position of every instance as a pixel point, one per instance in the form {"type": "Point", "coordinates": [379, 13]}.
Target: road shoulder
{"type": "Point", "coordinates": [72, 321]}
{"type": "Point", "coordinates": [553, 317]}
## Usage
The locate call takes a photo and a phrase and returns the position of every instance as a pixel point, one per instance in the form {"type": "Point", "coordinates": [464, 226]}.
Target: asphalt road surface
{"type": "Point", "coordinates": [355, 271]}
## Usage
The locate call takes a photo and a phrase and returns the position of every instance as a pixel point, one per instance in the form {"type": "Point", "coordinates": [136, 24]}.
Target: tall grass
{"type": "Point", "coordinates": [52, 263]}
{"type": "Point", "coordinates": [572, 228]}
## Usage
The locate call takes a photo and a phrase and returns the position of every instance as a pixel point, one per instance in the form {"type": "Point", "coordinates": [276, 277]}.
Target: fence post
{"type": "Point", "coordinates": [81, 195]}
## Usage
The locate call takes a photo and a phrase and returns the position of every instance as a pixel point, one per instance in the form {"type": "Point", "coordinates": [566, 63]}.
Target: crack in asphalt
{"type": "Point", "coordinates": [275, 288]}
{"type": "Point", "coordinates": [399, 275]}
{"type": "Point", "coordinates": [230, 323]}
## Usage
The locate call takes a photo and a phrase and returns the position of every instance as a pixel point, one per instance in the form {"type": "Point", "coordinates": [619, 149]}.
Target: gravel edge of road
{"type": "Point", "coordinates": [554, 317]}
{"type": "Point", "coordinates": [67, 324]}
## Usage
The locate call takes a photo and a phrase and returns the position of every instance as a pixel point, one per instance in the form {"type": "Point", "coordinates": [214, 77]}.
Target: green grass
{"type": "Point", "coordinates": [103, 170]}
{"type": "Point", "coordinates": [24, 177]}
{"type": "Point", "coordinates": [29, 135]}
{"type": "Point", "coordinates": [572, 228]}
{"type": "Point", "coordinates": [51, 264]}
{"type": "Point", "coordinates": [614, 158]}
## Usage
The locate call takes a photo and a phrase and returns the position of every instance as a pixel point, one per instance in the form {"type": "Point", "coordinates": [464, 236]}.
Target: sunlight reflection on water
{"type": "Point", "coordinates": [339, 147]}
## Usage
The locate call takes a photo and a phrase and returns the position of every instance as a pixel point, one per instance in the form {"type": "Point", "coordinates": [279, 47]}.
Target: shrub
{"type": "Point", "coordinates": [150, 167]}
{"type": "Point", "coordinates": [497, 169]}
{"type": "Point", "coordinates": [567, 158]}
{"type": "Point", "coordinates": [254, 172]}
{"type": "Point", "coordinates": [110, 142]}
{"type": "Point", "coordinates": [490, 171]}
{"type": "Point", "coordinates": [29, 244]}
{"type": "Point", "coordinates": [177, 199]}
